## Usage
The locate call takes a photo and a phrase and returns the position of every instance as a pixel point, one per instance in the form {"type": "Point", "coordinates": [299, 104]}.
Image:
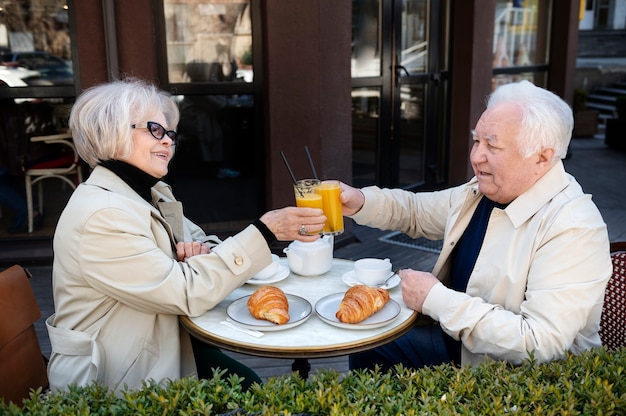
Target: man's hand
{"type": "Point", "coordinates": [352, 199]}
{"type": "Point", "coordinates": [415, 287]}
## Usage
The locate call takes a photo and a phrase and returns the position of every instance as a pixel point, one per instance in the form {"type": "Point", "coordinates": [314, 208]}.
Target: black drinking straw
{"type": "Point", "coordinates": [306, 148]}
{"type": "Point", "coordinates": [293, 177]}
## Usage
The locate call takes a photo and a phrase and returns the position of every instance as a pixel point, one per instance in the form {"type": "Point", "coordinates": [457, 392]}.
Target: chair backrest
{"type": "Point", "coordinates": [22, 365]}
{"type": "Point", "coordinates": [66, 161]}
{"type": "Point", "coordinates": [613, 321]}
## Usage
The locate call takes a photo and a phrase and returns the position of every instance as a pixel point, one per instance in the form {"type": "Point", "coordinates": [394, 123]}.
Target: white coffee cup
{"type": "Point", "coordinates": [268, 271]}
{"type": "Point", "coordinates": [372, 272]}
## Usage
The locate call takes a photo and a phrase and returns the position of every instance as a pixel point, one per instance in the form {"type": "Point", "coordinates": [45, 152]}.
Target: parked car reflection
{"type": "Point", "coordinates": [17, 76]}
{"type": "Point", "coordinates": [52, 69]}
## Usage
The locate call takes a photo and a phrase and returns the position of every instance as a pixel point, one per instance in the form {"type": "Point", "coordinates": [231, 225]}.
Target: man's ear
{"type": "Point", "coordinates": [545, 159]}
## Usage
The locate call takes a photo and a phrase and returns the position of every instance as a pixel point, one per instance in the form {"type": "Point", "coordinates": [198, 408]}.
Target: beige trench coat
{"type": "Point", "coordinates": [539, 279]}
{"type": "Point", "coordinates": [118, 290]}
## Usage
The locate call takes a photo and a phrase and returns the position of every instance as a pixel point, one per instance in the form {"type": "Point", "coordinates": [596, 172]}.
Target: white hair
{"type": "Point", "coordinates": [102, 116]}
{"type": "Point", "coordinates": [547, 121]}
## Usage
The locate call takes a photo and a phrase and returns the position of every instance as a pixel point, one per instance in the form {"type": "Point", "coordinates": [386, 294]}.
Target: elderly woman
{"type": "Point", "coordinates": [127, 262]}
{"type": "Point", "coordinates": [525, 256]}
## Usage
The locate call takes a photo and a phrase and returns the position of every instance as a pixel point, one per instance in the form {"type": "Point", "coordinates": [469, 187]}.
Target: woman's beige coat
{"type": "Point", "coordinates": [539, 279]}
{"type": "Point", "coordinates": [118, 290]}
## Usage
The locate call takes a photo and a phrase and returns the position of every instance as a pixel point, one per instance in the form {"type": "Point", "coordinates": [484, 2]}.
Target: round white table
{"type": "Point", "coordinates": [312, 339]}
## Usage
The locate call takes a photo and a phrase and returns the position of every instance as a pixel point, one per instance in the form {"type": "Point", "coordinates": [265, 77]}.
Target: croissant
{"type": "Point", "coordinates": [360, 302]}
{"type": "Point", "coordinates": [269, 303]}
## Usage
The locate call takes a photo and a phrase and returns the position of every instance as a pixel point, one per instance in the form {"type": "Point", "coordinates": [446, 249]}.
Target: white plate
{"type": "Point", "coordinates": [299, 311]}
{"type": "Point", "coordinates": [350, 279]}
{"type": "Point", "coordinates": [327, 307]}
{"type": "Point", "coordinates": [281, 274]}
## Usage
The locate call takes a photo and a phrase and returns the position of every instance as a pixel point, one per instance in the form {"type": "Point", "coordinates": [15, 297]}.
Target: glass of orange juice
{"type": "Point", "coordinates": [307, 195]}
{"type": "Point", "coordinates": [330, 190]}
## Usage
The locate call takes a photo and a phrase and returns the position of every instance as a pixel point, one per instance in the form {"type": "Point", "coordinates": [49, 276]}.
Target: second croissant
{"type": "Point", "coordinates": [360, 302]}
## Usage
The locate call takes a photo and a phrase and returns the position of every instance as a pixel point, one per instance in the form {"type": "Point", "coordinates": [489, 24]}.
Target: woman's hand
{"type": "Point", "coordinates": [352, 199]}
{"type": "Point", "coordinates": [415, 287]}
{"type": "Point", "coordinates": [287, 222]}
{"type": "Point", "coordinates": [187, 250]}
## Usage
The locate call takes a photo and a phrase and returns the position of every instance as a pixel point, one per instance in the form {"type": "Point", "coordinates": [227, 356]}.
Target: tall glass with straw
{"type": "Point", "coordinates": [331, 204]}
{"type": "Point", "coordinates": [314, 193]}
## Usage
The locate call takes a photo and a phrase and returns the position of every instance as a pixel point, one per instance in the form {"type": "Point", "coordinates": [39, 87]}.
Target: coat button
{"type": "Point", "coordinates": [238, 261]}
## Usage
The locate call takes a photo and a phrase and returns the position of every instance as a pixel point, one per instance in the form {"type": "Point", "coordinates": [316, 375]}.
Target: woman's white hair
{"type": "Point", "coordinates": [547, 121]}
{"type": "Point", "coordinates": [102, 116]}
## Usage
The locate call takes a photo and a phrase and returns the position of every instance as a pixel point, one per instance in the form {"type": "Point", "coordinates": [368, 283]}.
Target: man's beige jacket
{"type": "Point", "coordinates": [539, 279]}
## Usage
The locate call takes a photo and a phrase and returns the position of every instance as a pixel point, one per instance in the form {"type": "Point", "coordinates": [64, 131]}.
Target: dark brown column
{"type": "Point", "coordinates": [564, 48]}
{"type": "Point", "coordinates": [131, 34]}
{"type": "Point", "coordinates": [471, 69]}
{"type": "Point", "coordinates": [90, 42]}
{"type": "Point", "coordinates": [307, 91]}
{"type": "Point", "coordinates": [136, 37]}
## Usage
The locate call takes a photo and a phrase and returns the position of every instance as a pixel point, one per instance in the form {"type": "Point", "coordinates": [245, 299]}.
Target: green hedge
{"type": "Point", "coordinates": [590, 384]}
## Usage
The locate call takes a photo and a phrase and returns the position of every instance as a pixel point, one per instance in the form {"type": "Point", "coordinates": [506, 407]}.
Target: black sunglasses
{"type": "Point", "coordinates": [157, 131]}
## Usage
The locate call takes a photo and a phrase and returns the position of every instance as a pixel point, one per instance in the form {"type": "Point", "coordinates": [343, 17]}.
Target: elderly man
{"type": "Point", "coordinates": [525, 257]}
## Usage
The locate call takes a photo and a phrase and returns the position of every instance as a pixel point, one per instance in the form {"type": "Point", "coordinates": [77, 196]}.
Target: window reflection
{"type": "Point", "coordinates": [210, 32]}
{"type": "Point", "coordinates": [366, 41]}
{"type": "Point", "coordinates": [521, 38]}
{"type": "Point", "coordinates": [21, 119]}
{"type": "Point", "coordinates": [365, 125]}
{"type": "Point", "coordinates": [517, 40]}
{"type": "Point", "coordinates": [213, 130]}
{"type": "Point", "coordinates": [209, 45]}
{"type": "Point", "coordinates": [411, 135]}
{"type": "Point", "coordinates": [414, 36]}
{"type": "Point", "coordinates": [207, 123]}
{"type": "Point", "coordinates": [35, 44]}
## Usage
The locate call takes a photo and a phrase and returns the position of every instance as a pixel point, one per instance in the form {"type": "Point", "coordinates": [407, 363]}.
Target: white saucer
{"type": "Point", "coordinates": [281, 274]}
{"type": "Point", "coordinates": [350, 279]}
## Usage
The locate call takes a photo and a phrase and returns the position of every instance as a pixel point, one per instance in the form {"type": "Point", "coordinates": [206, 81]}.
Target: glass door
{"type": "Point", "coordinates": [399, 89]}
{"type": "Point", "coordinates": [37, 91]}
{"type": "Point", "coordinates": [209, 62]}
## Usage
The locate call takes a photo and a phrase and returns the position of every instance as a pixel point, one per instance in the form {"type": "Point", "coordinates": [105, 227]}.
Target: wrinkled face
{"type": "Point", "coordinates": [502, 173]}
{"type": "Point", "coordinates": [151, 155]}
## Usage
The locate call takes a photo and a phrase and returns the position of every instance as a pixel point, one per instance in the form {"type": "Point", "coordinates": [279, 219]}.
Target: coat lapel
{"type": "Point", "coordinates": [172, 212]}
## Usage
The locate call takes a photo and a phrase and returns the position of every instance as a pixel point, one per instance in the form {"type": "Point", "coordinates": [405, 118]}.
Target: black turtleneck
{"type": "Point", "coordinates": [140, 181]}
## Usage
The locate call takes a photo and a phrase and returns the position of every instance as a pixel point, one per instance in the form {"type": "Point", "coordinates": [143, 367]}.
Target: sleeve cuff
{"type": "Point", "coordinates": [267, 234]}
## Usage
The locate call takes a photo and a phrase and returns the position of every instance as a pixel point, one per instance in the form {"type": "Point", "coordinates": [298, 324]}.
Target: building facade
{"type": "Point", "coordinates": [381, 92]}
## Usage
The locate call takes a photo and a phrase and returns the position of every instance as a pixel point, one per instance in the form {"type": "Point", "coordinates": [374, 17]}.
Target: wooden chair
{"type": "Point", "coordinates": [66, 168]}
{"type": "Point", "coordinates": [22, 364]}
{"type": "Point", "coordinates": [613, 320]}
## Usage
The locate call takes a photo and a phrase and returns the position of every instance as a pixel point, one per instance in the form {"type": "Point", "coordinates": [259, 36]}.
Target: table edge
{"type": "Point", "coordinates": [299, 352]}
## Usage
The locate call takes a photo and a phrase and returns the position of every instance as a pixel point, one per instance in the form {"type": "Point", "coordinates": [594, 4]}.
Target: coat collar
{"type": "Point", "coordinates": [164, 206]}
{"type": "Point", "coordinates": [530, 202]}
